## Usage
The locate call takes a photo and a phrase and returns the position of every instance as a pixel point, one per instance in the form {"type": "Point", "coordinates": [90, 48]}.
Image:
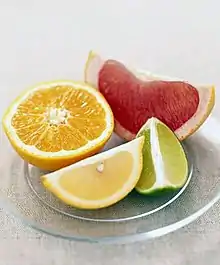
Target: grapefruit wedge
{"type": "Point", "coordinates": [135, 96]}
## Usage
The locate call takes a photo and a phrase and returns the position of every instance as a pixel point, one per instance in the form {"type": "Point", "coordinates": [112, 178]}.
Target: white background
{"type": "Point", "coordinates": [45, 40]}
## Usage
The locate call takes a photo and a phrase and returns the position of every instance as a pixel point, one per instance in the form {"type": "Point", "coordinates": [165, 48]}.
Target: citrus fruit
{"type": "Point", "coordinates": [164, 162]}
{"type": "Point", "coordinates": [57, 123]}
{"type": "Point", "coordinates": [101, 180]}
{"type": "Point", "coordinates": [136, 96]}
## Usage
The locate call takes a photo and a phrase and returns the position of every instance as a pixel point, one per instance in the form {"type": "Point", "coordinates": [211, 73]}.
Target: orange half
{"type": "Point", "coordinates": [55, 124]}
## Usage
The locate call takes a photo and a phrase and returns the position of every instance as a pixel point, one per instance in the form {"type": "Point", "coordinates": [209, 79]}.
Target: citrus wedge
{"type": "Point", "coordinates": [57, 123]}
{"type": "Point", "coordinates": [101, 180]}
{"type": "Point", "coordinates": [136, 95]}
{"type": "Point", "coordinates": [164, 162]}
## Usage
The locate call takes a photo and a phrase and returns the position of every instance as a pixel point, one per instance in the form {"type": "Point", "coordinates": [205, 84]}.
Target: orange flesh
{"type": "Point", "coordinates": [61, 117]}
{"type": "Point", "coordinates": [99, 184]}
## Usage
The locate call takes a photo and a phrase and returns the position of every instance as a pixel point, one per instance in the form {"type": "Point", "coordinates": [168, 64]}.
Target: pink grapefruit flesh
{"type": "Point", "coordinates": [134, 101]}
{"type": "Point", "coordinates": [134, 98]}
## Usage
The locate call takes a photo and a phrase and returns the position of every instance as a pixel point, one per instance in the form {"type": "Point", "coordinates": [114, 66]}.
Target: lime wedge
{"type": "Point", "coordinates": [165, 165]}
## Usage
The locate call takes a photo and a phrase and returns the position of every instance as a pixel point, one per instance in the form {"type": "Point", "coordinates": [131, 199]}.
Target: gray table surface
{"type": "Point", "coordinates": [50, 40]}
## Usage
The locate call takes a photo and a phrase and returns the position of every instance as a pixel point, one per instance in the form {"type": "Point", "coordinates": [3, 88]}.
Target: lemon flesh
{"type": "Point", "coordinates": [101, 180]}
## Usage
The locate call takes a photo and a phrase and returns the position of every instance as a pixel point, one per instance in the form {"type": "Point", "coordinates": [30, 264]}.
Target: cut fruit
{"type": "Point", "coordinates": [101, 180]}
{"type": "Point", "coordinates": [57, 123]}
{"type": "Point", "coordinates": [164, 162]}
{"type": "Point", "coordinates": [136, 96]}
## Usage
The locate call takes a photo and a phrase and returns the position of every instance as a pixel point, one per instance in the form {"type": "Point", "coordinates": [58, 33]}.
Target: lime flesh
{"type": "Point", "coordinates": [165, 166]}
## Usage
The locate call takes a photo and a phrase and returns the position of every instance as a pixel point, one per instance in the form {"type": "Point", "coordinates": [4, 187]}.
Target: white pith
{"type": "Point", "coordinates": [57, 116]}
{"type": "Point", "coordinates": [134, 147]}
{"type": "Point", "coordinates": [205, 93]}
{"type": "Point", "coordinates": [156, 155]}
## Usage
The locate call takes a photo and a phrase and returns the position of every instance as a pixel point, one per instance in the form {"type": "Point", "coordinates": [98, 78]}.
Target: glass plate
{"type": "Point", "coordinates": [137, 217]}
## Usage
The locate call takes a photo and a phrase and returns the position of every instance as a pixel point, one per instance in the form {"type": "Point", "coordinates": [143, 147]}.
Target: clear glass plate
{"type": "Point", "coordinates": [137, 217]}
